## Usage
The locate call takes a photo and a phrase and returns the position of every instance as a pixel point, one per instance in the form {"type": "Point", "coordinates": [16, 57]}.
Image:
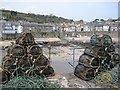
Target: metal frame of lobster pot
{"type": "Point", "coordinates": [101, 40]}
{"type": "Point", "coordinates": [9, 64]}
{"type": "Point", "coordinates": [25, 39]}
{"type": "Point", "coordinates": [35, 51]}
{"type": "Point", "coordinates": [25, 63]}
{"type": "Point", "coordinates": [6, 76]}
{"type": "Point", "coordinates": [89, 61]}
{"type": "Point", "coordinates": [83, 72]}
{"type": "Point", "coordinates": [17, 52]}
{"type": "Point", "coordinates": [41, 61]}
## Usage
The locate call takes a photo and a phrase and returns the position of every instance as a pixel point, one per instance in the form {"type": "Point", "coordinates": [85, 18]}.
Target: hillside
{"type": "Point", "coordinates": [30, 17]}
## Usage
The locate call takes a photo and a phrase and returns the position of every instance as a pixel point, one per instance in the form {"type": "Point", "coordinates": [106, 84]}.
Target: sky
{"type": "Point", "coordinates": [88, 10]}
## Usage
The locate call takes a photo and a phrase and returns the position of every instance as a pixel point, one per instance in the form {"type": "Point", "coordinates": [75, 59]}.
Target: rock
{"type": "Point", "coordinates": [78, 85]}
{"type": "Point", "coordinates": [53, 80]}
{"type": "Point", "coordinates": [64, 82]}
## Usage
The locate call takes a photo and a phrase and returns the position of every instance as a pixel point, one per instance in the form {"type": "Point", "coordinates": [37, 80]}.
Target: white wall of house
{"type": "Point", "coordinates": [8, 28]}
{"type": "Point", "coordinates": [69, 29]}
{"type": "Point", "coordinates": [105, 28]}
{"type": "Point", "coordinates": [66, 29]}
{"type": "Point", "coordinates": [53, 28]}
{"type": "Point", "coordinates": [0, 30]}
{"type": "Point", "coordinates": [98, 28]}
{"type": "Point", "coordinates": [91, 28]}
{"type": "Point", "coordinates": [72, 28]}
{"type": "Point", "coordinates": [12, 29]}
{"type": "Point", "coordinates": [20, 29]}
{"type": "Point", "coordinates": [86, 28]}
{"type": "Point", "coordinates": [113, 28]}
{"type": "Point", "coordinates": [79, 29]}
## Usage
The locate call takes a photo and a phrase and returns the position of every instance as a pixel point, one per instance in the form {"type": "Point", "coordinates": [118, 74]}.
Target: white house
{"type": "Point", "coordinates": [86, 27]}
{"type": "Point", "coordinates": [106, 28]}
{"type": "Point", "coordinates": [98, 27]}
{"type": "Point", "coordinates": [113, 28]}
{"type": "Point", "coordinates": [11, 28]}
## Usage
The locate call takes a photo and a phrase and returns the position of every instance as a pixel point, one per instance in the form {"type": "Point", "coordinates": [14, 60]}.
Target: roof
{"type": "Point", "coordinates": [36, 24]}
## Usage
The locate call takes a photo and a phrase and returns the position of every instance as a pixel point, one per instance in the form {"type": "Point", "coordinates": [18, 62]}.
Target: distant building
{"type": "Point", "coordinates": [99, 27]}
{"type": "Point", "coordinates": [0, 30]}
{"type": "Point", "coordinates": [106, 28]}
{"type": "Point", "coordinates": [11, 28]}
{"type": "Point", "coordinates": [35, 27]}
{"type": "Point", "coordinates": [113, 26]}
{"type": "Point", "coordinates": [86, 27]}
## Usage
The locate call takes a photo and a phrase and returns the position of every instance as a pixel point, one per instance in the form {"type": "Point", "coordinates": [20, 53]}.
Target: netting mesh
{"type": "Point", "coordinates": [30, 82]}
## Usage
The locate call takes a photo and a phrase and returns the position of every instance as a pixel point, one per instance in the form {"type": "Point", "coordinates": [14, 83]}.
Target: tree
{"type": "Point", "coordinates": [6, 19]}
{"type": "Point", "coordinates": [102, 20]}
{"type": "Point", "coordinates": [13, 13]}
{"type": "Point", "coordinates": [81, 20]}
{"type": "Point", "coordinates": [96, 20]}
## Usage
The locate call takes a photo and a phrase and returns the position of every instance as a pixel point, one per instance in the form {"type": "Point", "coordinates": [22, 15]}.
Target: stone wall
{"type": "Point", "coordinates": [113, 34]}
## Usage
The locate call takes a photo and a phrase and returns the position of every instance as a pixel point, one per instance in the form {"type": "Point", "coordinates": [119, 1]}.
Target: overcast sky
{"type": "Point", "coordinates": [71, 9]}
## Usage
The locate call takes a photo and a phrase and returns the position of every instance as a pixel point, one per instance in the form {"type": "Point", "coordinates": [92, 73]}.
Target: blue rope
{"type": "Point", "coordinates": [114, 77]}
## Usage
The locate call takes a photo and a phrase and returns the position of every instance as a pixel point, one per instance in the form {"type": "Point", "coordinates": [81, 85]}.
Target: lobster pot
{"type": "Point", "coordinates": [48, 71]}
{"type": "Point", "coordinates": [107, 59]}
{"type": "Point", "coordinates": [107, 40]}
{"type": "Point", "coordinates": [25, 63]}
{"type": "Point", "coordinates": [95, 51]}
{"type": "Point", "coordinates": [35, 51]}
{"type": "Point", "coordinates": [9, 49]}
{"type": "Point", "coordinates": [111, 48]}
{"type": "Point", "coordinates": [93, 39]}
{"type": "Point", "coordinates": [100, 69]}
{"type": "Point", "coordinates": [89, 60]}
{"type": "Point", "coordinates": [19, 39]}
{"type": "Point", "coordinates": [17, 52]}
{"type": "Point", "coordinates": [101, 40]}
{"type": "Point", "coordinates": [9, 64]}
{"type": "Point", "coordinates": [5, 76]}
{"type": "Point", "coordinates": [84, 73]}
{"type": "Point", "coordinates": [18, 72]}
{"type": "Point", "coordinates": [115, 57]}
{"type": "Point", "coordinates": [41, 61]}
{"type": "Point", "coordinates": [34, 72]}
{"type": "Point", "coordinates": [26, 39]}
{"type": "Point", "coordinates": [5, 58]}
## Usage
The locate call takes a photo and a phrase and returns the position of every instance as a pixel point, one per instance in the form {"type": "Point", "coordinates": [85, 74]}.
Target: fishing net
{"type": "Point", "coordinates": [107, 79]}
{"type": "Point", "coordinates": [30, 82]}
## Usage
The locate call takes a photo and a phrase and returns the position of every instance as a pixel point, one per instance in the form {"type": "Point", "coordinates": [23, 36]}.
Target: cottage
{"type": "Point", "coordinates": [35, 27]}
{"type": "Point", "coordinates": [113, 26]}
{"type": "Point", "coordinates": [86, 27]}
{"type": "Point", "coordinates": [106, 28]}
{"type": "Point", "coordinates": [11, 28]}
{"type": "Point", "coordinates": [98, 27]}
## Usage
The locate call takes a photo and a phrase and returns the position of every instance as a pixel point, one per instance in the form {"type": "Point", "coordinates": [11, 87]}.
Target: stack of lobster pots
{"type": "Point", "coordinates": [98, 57]}
{"type": "Point", "coordinates": [25, 58]}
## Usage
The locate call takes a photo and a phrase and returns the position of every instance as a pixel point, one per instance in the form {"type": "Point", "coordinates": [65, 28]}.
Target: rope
{"type": "Point", "coordinates": [107, 79]}
{"type": "Point", "coordinates": [30, 82]}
